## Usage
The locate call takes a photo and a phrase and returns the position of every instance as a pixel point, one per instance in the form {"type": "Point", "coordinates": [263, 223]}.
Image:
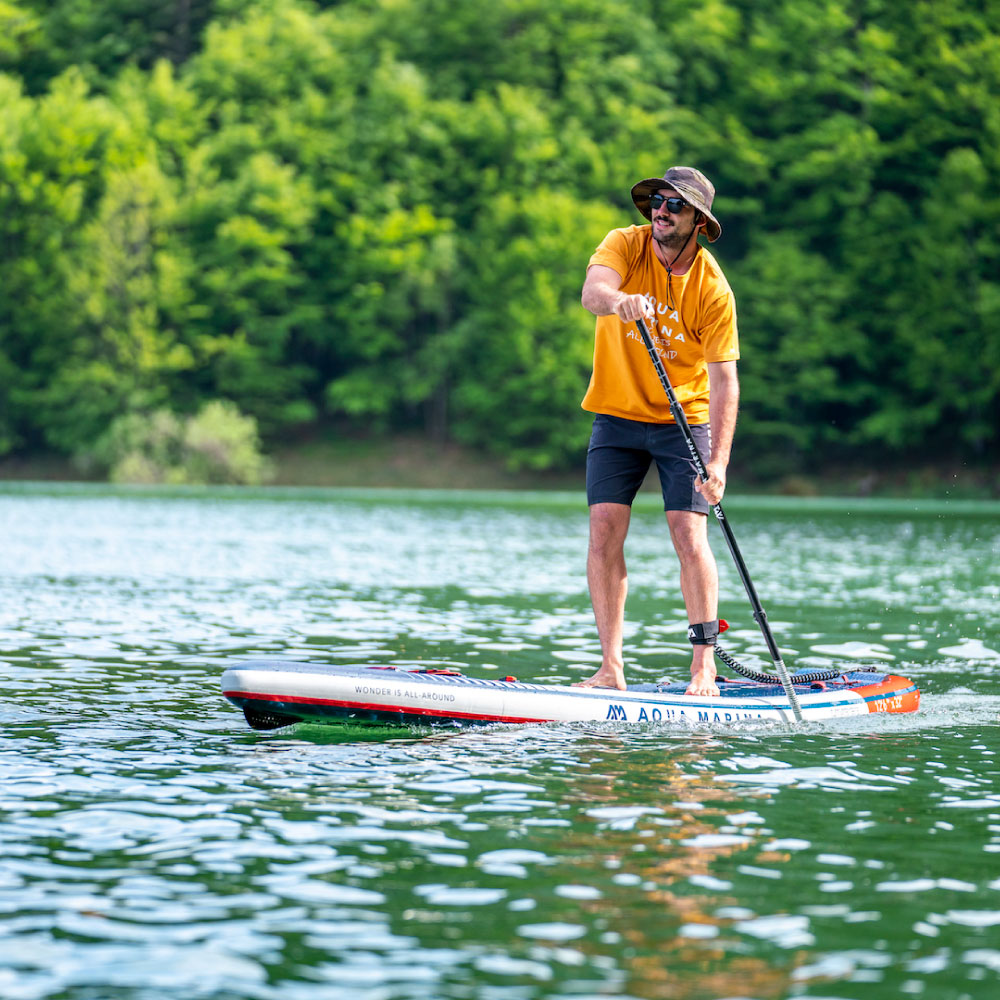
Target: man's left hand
{"type": "Point", "coordinates": [714, 486]}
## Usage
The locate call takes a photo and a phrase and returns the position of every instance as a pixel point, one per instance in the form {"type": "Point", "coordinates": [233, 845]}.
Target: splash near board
{"type": "Point", "coordinates": [276, 693]}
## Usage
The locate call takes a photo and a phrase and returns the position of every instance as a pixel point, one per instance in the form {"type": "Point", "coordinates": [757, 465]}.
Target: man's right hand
{"type": "Point", "coordinates": [629, 308]}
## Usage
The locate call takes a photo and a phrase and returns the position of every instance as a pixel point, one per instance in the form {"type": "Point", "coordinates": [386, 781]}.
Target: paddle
{"type": "Point", "coordinates": [760, 616]}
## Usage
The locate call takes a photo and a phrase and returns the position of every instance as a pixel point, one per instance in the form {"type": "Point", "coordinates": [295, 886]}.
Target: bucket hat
{"type": "Point", "coordinates": [692, 185]}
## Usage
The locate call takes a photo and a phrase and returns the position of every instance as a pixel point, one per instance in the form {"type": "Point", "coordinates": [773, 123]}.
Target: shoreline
{"type": "Point", "coordinates": [415, 462]}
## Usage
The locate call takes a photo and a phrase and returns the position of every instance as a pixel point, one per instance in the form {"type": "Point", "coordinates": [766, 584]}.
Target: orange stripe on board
{"type": "Point", "coordinates": [894, 694]}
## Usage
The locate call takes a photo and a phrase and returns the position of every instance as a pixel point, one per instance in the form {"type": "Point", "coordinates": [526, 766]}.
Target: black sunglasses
{"type": "Point", "coordinates": [674, 205]}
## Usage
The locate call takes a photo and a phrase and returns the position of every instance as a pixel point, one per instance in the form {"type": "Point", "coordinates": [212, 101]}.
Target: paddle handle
{"type": "Point", "coordinates": [759, 615]}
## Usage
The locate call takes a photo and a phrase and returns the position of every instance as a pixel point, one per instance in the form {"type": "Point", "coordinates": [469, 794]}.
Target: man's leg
{"type": "Point", "coordinates": [700, 587]}
{"type": "Point", "coordinates": [608, 581]}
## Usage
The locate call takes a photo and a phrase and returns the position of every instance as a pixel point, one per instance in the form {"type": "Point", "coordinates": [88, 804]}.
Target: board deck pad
{"type": "Point", "coordinates": [275, 693]}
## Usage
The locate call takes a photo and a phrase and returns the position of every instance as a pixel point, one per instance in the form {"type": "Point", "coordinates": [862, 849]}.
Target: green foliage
{"type": "Point", "coordinates": [222, 446]}
{"type": "Point", "coordinates": [381, 211]}
{"type": "Point", "coordinates": [218, 445]}
{"type": "Point", "coordinates": [52, 155]}
{"type": "Point", "coordinates": [20, 33]}
{"type": "Point", "coordinates": [101, 36]}
{"type": "Point", "coordinates": [521, 357]}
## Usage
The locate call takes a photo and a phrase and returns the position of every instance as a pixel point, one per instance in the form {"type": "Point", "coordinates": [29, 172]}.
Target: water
{"type": "Point", "coordinates": [154, 848]}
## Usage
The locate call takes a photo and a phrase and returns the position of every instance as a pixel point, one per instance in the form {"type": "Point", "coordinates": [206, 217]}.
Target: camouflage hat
{"type": "Point", "coordinates": [692, 185]}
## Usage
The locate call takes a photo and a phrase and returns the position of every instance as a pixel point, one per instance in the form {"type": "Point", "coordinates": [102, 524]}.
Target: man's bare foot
{"type": "Point", "coordinates": [606, 677]}
{"type": "Point", "coordinates": [703, 681]}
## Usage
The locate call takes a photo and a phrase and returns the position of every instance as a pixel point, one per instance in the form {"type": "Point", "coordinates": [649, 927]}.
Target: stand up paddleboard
{"type": "Point", "coordinates": [273, 693]}
{"type": "Point", "coordinates": [276, 693]}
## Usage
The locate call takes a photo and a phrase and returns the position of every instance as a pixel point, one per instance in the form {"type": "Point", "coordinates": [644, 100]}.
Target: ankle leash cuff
{"type": "Point", "coordinates": [704, 634]}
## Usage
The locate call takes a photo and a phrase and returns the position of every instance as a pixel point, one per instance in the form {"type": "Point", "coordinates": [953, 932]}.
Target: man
{"type": "Point", "coordinates": [661, 273]}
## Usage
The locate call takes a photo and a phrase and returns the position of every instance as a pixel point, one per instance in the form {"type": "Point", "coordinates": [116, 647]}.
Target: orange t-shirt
{"type": "Point", "coordinates": [699, 326]}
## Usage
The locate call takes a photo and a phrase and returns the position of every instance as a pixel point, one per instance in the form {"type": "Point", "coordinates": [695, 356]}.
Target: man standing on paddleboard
{"type": "Point", "coordinates": [659, 273]}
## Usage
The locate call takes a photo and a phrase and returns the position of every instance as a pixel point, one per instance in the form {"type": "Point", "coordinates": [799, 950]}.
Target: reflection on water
{"type": "Point", "coordinates": [153, 847]}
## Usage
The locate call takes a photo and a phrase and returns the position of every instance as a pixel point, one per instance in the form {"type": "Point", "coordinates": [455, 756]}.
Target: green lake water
{"type": "Point", "coordinates": [153, 847]}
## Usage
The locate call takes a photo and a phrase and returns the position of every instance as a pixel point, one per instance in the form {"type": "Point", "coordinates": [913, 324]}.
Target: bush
{"type": "Point", "coordinates": [221, 445]}
{"type": "Point", "coordinates": [217, 445]}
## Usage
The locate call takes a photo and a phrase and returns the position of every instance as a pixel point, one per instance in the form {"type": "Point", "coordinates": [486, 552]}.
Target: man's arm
{"type": "Point", "coordinates": [723, 405]}
{"type": "Point", "coordinates": [602, 295]}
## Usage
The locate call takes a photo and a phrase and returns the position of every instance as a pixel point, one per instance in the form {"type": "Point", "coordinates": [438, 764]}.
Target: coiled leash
{"type": "Point", "coordinates": [707, 634]}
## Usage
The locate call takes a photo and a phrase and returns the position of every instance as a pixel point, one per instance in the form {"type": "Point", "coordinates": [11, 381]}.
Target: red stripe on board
{"type": "Point", "coordinates": [365, 706]}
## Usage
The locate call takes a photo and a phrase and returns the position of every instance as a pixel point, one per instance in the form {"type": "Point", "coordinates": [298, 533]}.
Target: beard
{"type": "Point", "coordinates": [674, 238]}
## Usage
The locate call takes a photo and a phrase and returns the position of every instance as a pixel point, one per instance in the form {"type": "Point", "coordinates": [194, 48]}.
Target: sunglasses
{"type": "Point", "coordinates": [674, 205]}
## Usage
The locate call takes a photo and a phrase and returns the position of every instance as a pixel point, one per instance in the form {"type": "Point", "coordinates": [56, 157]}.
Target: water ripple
{"type": "Point", "coordinates": [155, 849]}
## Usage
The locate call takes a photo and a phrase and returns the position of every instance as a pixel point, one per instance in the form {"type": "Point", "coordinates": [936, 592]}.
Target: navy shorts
{"type": "Point", "coordinates": [621, 451]}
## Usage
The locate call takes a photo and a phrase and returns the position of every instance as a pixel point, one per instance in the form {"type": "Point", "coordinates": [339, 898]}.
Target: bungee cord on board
{"type": "Point", "coordinates": [801, 677]}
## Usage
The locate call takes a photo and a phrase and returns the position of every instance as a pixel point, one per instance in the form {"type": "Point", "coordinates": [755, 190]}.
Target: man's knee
{"type": "Point", "coordinates": [608, 527]}
{"type": "Point", "coordinates": [688, 531]}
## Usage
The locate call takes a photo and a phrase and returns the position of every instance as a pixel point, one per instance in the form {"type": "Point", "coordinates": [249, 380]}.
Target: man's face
{"type": "Point", "coordinates": [671, 228]}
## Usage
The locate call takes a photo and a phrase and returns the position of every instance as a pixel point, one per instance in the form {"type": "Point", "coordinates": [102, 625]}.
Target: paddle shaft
{"type": "Point", "coordinates": [759, 615]}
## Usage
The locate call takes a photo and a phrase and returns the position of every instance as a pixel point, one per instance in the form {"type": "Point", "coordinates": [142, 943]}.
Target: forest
{"type": "Point", "coordinates": [376, 215]}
